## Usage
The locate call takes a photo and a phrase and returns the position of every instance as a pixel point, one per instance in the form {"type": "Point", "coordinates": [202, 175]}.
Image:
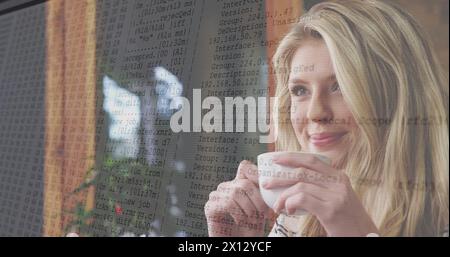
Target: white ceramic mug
{"type": "Point", "coordinates": [267, 170]}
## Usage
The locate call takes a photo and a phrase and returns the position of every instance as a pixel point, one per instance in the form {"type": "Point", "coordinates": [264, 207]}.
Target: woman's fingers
{"type": "Point", "coordinates": [247, 195]}
{"type": "Point", "coordinates": [237, 204]}
{"type": "Point", "coordinates": [237, 194]}
{"type": "Point", "coordinates": [220, 204]}
{"type": "Point", "coordinates": [315, 191]}
{"type": "Point", "coordinates": [252, 192]}
{"type": "Point", "coordinates": [248, 170]}
{"type": "Point", "coordinates": [305, 202]}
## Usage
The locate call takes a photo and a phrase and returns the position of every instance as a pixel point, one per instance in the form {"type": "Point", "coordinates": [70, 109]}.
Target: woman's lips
{"type": "Point", "coordinates": [324, 139]}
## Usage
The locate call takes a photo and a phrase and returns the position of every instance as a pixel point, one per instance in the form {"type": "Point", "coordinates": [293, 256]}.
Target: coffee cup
{"type": "Point", "coordinates": [268, 170]}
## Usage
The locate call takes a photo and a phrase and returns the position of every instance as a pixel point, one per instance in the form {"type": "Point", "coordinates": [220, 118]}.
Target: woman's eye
{"type": "Point", "coordinates": [299, 91]}
{"type": "Point", "coordinates": [335, 87]}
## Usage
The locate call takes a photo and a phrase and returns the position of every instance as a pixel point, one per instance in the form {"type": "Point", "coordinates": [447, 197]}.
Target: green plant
{"type": "Point", "coordinates": [121, 187]}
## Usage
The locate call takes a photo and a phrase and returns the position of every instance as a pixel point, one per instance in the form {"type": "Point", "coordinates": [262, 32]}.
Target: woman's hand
{"type": "Point", "coordinates": [326, 193]}
{"type": "Point", "coordinates": [236, 208]}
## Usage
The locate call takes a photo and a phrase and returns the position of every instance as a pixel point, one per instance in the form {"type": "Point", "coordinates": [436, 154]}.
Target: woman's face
{"type": "Point", "coordinates": [320, 117]}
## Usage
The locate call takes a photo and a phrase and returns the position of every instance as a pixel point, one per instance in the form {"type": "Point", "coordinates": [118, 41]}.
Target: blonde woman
{"type": "Point", "coordinates": [364, 88]}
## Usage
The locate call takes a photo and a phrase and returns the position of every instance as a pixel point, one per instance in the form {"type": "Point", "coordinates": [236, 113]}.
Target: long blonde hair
{"type": "Point", "coordinates": [392, 81]}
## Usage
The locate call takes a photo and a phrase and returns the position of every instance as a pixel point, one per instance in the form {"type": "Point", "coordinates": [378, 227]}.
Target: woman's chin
{"type": "Point", "coordinates": [336, 153]}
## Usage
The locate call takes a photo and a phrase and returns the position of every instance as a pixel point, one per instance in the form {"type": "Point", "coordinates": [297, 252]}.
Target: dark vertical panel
{"type": "Point", "coordinates": [22, 90]}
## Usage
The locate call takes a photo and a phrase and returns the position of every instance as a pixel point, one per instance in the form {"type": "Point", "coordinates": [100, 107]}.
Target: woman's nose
{"type": "Point", "coordinates": [318, 109]}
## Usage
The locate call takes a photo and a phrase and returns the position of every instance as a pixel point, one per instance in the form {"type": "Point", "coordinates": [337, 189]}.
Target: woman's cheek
{"type": "Point", "coordinates": [298, 121]}
{"type": "Point", "coordinates": [294, 115]}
